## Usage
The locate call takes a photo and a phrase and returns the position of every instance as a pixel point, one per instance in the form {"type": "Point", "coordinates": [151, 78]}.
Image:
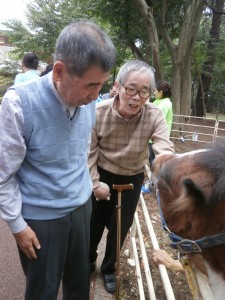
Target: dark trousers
{"type": "Point", "coordinates": [104, 214]}
{"type": "Point", "coordinates": [64, 254]}
{"type": "Point", "coordinates": [151, 153]}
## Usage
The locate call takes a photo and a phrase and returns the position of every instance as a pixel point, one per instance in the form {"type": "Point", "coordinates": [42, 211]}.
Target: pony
{"type": "Point", "coordinates": [191, 191]}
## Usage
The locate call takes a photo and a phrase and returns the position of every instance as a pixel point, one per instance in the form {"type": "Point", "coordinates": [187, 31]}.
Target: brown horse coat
{"type": "Point", "coordinates": [191, 187]}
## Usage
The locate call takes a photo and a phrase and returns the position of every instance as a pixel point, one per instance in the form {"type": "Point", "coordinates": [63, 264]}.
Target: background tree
{"type": "Point", "coordinates": [163, 33]}
{"type": "Point", "coordinates": [45, 20]}
{"type": "Point", "coordinates": [188, 15]}
{"type": "Point", "coordinates": [153, 24]}
{"type": "Point", "coordinates": [215, 101]}
{"type": "Point", "coordinates": [208, 66]}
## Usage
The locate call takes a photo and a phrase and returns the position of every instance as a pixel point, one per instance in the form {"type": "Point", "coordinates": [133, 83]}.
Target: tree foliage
{"type": "Point", "coordinates": [46, 18]}
{"type": "Point", "coordinates": [163, 33]}
{"type": "Point", "coordinates": [208, 66]}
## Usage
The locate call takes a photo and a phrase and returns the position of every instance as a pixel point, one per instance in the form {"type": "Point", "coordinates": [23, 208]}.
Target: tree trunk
{"type": "Point", "coordinates": [206, 77]}
{"type": "Point", "coordinates": [182, 56]}
{"type": "Point", "coordinates": [181, 53]}
{"type": "Point", "coordinates": [152, 35]}
{"type": "Point", "coordinates": [181, 87]}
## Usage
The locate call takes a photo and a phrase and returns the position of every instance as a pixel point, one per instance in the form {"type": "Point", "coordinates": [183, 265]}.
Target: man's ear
{"type": "Point", "coordinates": [117, 86]}
{"type": "Point", "coordinates": [58, 70]}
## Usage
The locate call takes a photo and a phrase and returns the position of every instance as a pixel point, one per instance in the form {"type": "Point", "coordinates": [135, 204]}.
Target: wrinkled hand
{"type": "Point", "coordinates": [27, 242]}
{"type": "Point", "coordinates": [162, 257]}
{"type": "Point", "coordinates": [101, 193]}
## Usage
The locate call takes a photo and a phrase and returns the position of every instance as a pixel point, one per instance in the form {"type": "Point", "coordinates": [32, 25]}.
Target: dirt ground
{"type": "Point", "coordinates": [129, 286]}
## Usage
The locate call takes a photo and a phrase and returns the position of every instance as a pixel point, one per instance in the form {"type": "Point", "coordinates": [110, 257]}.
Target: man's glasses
{"type": "Point", "coordinates": [132, 92]}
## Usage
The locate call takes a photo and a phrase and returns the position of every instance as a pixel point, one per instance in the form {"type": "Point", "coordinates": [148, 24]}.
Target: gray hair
{"type": "Point", "coordinates": [83, 44]}
{"type": "Point", "coordinates": [136, 65]}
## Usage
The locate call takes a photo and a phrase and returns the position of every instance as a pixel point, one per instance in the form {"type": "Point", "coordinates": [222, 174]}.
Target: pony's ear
{"type": "Point", "coordinates": [194, 192]}
{"type": "Point", "coordinates": [164, 190]}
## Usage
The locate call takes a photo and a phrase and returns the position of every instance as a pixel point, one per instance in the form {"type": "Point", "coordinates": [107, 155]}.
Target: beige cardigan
{"type": "Point", "coordinates": [120, 146]}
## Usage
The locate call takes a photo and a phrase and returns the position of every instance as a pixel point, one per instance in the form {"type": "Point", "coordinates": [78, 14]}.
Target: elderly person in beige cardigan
{"type": "Point", "coordinates": [118, 154]}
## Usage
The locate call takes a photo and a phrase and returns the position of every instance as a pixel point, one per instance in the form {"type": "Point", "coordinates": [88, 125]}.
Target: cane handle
{"type": "Point", "coordinates": [123, 187]}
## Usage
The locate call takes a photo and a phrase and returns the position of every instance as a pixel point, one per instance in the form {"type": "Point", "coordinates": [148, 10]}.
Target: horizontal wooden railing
{"type": "Point", "coordinates": [197, 129]}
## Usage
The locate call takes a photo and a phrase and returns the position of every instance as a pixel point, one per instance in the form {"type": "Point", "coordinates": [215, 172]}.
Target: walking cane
{"type": "Point", "coordinates": [119, 188]}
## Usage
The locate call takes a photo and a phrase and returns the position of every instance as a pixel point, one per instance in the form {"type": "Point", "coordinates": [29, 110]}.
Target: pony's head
{"type": "Point", "coordinates": [191, 188]}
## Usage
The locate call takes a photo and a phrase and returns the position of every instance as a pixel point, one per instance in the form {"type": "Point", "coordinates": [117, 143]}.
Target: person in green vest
{"type": "Point", "coordinates": [162, 100]}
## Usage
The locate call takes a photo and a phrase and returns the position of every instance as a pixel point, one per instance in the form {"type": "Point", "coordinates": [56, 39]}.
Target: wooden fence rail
{"type": "Point", "coordinates": [196, 129]}
{"type": "Point", "coordinates": [136, 237]}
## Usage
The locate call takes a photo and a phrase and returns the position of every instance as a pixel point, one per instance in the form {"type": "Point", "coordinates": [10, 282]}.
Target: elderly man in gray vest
{"type": "Point", "coordinates": [45, 186]}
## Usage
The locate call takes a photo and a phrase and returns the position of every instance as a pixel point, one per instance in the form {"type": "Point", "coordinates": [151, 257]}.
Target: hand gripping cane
{"type": "Point", "coordinates": [119, 188]}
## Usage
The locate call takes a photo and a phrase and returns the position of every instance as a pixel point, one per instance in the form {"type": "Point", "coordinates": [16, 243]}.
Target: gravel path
{"type": "Point", "coordinates": [11, 276]}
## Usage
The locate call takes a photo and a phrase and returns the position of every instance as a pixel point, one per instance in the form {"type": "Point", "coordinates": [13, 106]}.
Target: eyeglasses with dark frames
{"type": "Point", "coordinates": [144, 94]}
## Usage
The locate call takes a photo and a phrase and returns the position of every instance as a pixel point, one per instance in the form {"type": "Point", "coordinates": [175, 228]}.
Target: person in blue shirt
{"type": "Point", "coordinates": [99, 99]}
{"type": "Point", "coordinates": [111, 94]}
{"type": "Point", "coordinates": [29, 66]}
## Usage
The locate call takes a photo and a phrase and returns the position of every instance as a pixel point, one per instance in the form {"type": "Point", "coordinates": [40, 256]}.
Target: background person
{"type": "Point", "coordinates": [162, 100]}
{"type": "Point", "coordinates": [99, 99]}
{"type": "Point", "coordinates": [45, 185]}
{"type": "Point", "coordinates": [118, 154]}
{"type": "Point", "coordinates": [111, 94]}
{"type": "Point", "coordinates": [48, 69]}
{"type": "Point", "coordinates": [29, 67]}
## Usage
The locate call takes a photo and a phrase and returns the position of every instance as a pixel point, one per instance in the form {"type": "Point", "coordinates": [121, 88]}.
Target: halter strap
{"type": "Point", "coordinates": [186, 245]}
